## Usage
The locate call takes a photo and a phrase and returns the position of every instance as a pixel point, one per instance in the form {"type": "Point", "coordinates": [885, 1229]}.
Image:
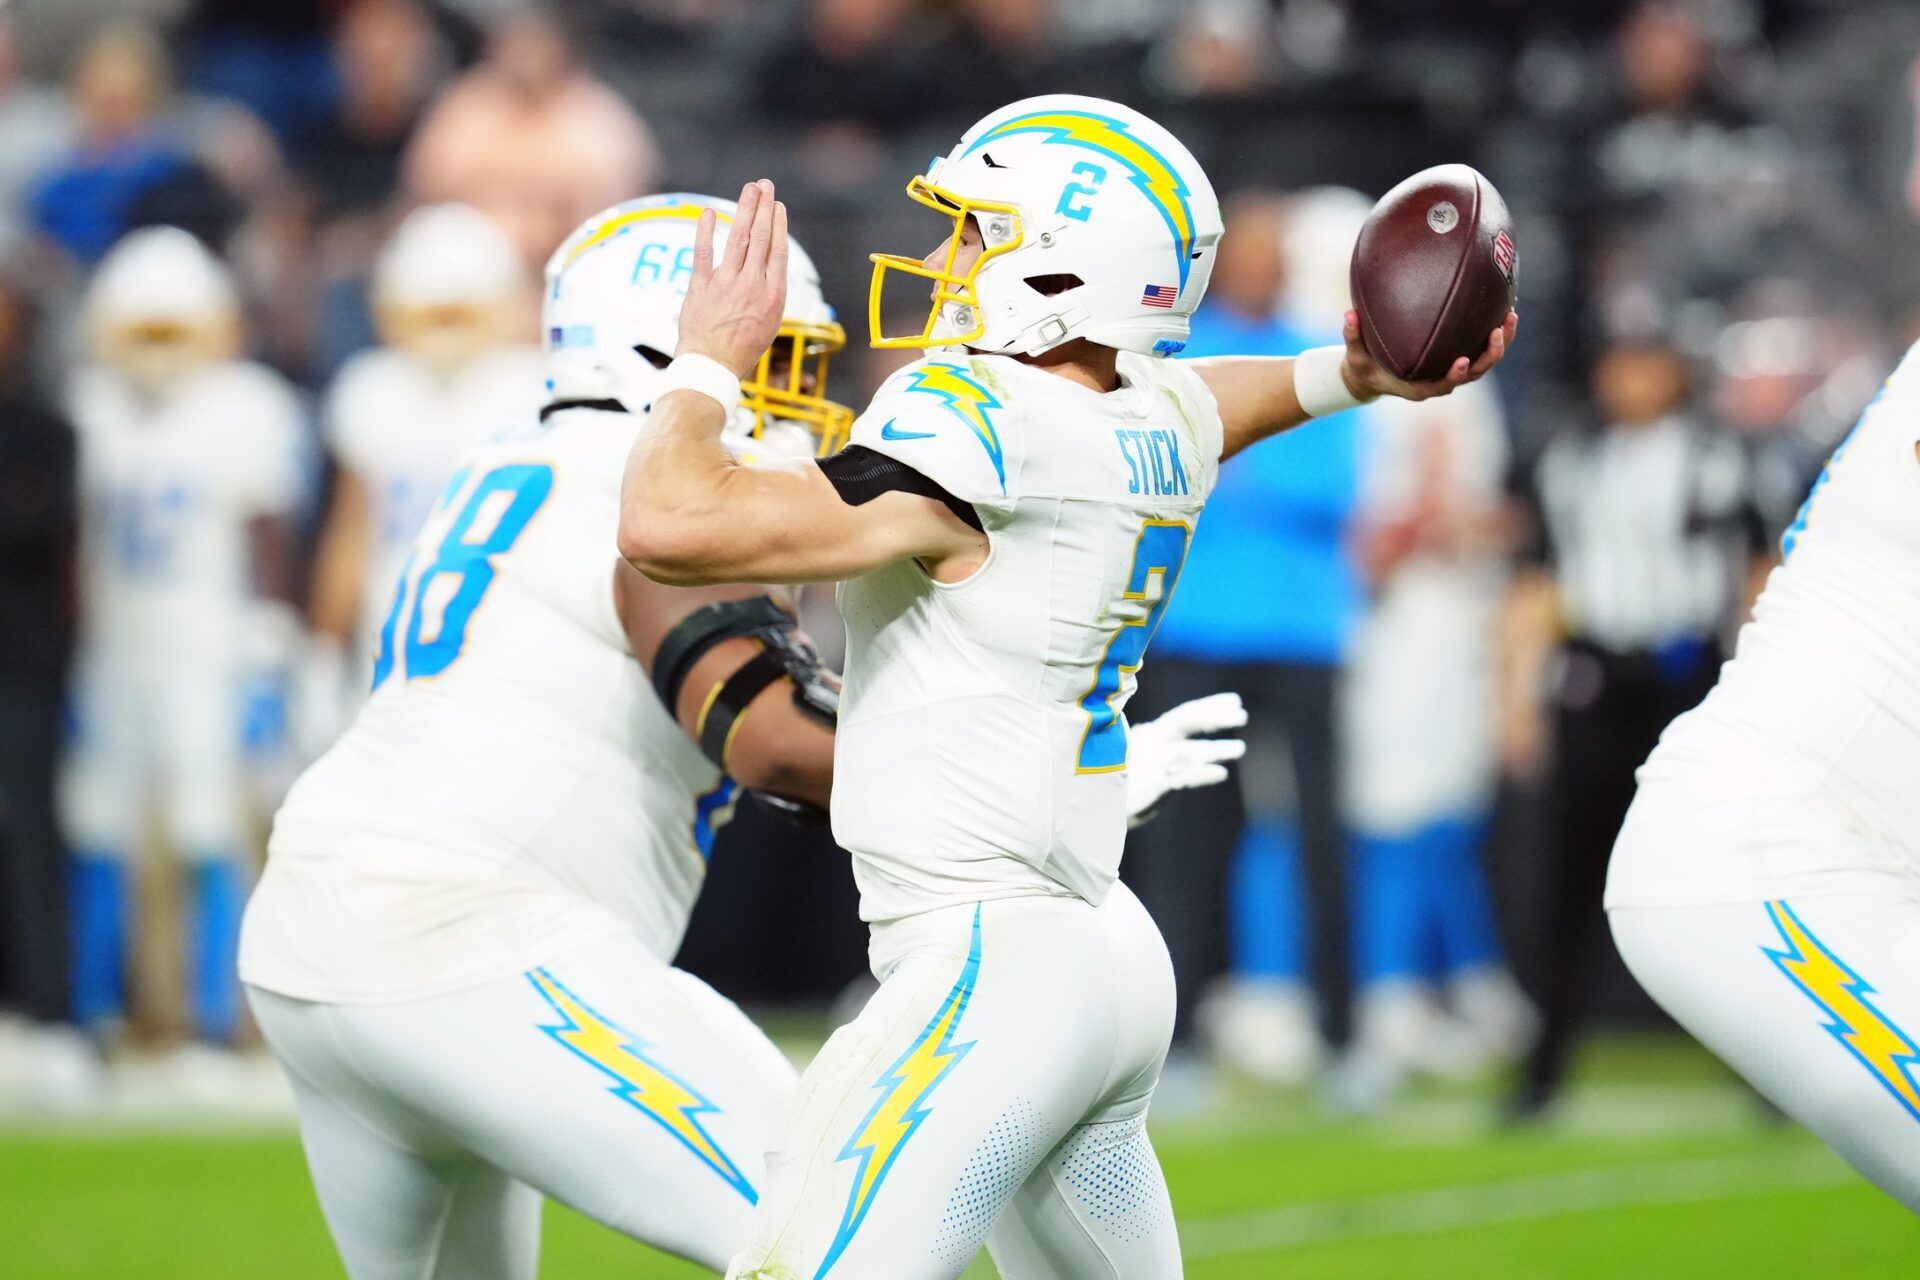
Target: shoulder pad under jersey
{"type": "Point", "coordinates": [945, 417]}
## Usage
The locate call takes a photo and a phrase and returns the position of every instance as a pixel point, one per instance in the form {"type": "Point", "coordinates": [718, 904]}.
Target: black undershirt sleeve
{"type": "Point", "coordinates": [859, 475]}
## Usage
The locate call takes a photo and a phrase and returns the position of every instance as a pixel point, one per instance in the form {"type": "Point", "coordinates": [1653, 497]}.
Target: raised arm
{"type": "Point", "coordinates": [1261, 396]}
{"type": "Point", "coordinates": [689, 512]}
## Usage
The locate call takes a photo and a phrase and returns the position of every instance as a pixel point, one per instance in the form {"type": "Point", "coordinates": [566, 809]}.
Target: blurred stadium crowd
{"type": "Point", "coordinates": [1459, 626]}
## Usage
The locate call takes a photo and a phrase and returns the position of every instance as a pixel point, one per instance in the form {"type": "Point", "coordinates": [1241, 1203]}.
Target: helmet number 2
{"type": "Point", "coordinates": [1088, 177]}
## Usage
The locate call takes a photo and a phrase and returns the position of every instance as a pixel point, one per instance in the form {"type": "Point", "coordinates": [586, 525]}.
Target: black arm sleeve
{"type": "Point", "coordinates": [859, 475]}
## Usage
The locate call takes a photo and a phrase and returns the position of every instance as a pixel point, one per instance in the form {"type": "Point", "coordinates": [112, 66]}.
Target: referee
{"type": "Point", "coordinates": [1644, 546]}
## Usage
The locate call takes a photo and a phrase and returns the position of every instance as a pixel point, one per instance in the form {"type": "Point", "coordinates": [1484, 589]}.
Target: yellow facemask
{"type": "Point", "coordinates": [154, 353]}
{"type": "Point", "coordinates": [798, 392]}
{"type": "Point", "coordinates": [1000, 233]}
{"type": "Point", "coordinates": [443, 336]}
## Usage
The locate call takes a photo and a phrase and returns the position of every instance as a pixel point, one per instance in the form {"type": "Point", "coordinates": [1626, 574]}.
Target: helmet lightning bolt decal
{"type": "Point", "coordinates": [681, 208]}
{"type": "Point", "coordinates": [639, 1081]}
{"type": "Point", "coordinates": [1152, 174]}
{"type": "Point", "coordinates": [969, 401]}
{"type": "Point", "coordinates": [900, 1109]}
{"type": "Point", "coordinates": [1869, 1035]}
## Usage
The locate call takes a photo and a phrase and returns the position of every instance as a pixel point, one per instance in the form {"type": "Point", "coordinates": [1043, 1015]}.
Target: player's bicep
{"type": "Point", "coordinates": [704, 650]}
{"type": "Point", "coordinates": [785, 522]}
{"type": "Point", "coordinates": [832, 533]}
{"type": "Point", "coordinates": [650, 611]}
{"type": "Point", "coordinates": [769, 743]}
{"type": "Point", "coordinates": [778, 748]}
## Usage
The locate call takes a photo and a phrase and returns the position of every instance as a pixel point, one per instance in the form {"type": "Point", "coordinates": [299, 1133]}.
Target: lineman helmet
{"type": "Point", "coordinates": [611, 321]}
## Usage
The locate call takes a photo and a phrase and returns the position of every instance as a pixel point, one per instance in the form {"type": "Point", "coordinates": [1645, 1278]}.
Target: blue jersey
{"type": "Point", "coordinates": [1269, 577]}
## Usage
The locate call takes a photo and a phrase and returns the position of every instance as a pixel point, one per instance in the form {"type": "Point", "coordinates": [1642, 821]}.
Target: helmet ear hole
{"type": "Point", "coordinates": [653, 356]}
{"type": "Point", "coordinates": [1050, 285]}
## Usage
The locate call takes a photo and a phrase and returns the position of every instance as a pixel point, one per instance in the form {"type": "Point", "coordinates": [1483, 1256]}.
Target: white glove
{"type": "Point", "coordinates": [1166, 755]}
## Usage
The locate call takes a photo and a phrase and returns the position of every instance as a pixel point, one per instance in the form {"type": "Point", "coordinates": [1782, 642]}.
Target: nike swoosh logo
{"type": "Point", "coordinates": [888, 433]}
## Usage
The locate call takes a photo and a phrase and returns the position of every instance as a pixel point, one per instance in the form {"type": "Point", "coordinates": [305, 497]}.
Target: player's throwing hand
{"type": "Point", "coordinates": [1367, 377]}
{"type": "Point", "coordinates": [733, 307]}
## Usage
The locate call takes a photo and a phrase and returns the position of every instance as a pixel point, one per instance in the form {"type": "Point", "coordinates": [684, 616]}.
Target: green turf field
{"type": "Point", "coordinates": [1660, 1166]}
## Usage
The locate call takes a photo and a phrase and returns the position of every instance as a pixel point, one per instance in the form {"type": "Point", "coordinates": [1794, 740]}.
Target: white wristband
{"type": "Point", "coordinates": [707, 376]}
{"type": "Point", "coordinates": [1318, 384]}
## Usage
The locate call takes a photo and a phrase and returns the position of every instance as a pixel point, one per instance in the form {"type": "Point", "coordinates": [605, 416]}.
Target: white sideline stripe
{"type": "Point", "coordinates": [1479, 1204]}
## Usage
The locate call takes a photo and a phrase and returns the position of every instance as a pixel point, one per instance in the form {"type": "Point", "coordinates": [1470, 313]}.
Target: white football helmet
{"type": "Point", "coordinates": [161, 306]}
{"type": "Point", "coordinates": [446, 285]}
{"type": "Point", "coordinates": [611, 321]}
{"type": "Point", "coordinates": [1096, 223]}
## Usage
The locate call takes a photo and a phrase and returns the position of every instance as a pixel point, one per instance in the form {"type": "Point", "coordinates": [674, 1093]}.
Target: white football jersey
{"type": "Point", "coordinates": [1819, 709]}
{"type": "Point", "coordinates": [1417, 702]}
{"type": "Point", "coordinates": [514, 786]}
{"type": "Point", "coordinates": [982, 739]}
{"type": "Point", "coordinates": [399, 426]}
{"type": "Point", "coordinates": [168, 488]}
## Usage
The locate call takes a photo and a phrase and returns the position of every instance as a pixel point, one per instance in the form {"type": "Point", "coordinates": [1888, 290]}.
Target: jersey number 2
{"type": "Point", "coordinates": [464, 557]}
{"type": "Point", "coordinates": [1158, 553]}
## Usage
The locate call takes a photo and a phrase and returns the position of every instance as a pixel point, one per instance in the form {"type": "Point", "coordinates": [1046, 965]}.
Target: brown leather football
{"type": "Point", "coordinates": [1433, 271]}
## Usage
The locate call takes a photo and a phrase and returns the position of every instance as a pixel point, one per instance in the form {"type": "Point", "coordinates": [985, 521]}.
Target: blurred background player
{"type": "Point", "coordinates": [450, 300]}
{"type": "Point", "coordinates": [1433, 994]}
{"type": "Point", "coordinates": [190, 464]}
{"type": "Point", "coordinates": [1644, 543]}
{"type": "Point", "coordinates": [1250, 884]}
{"type": "Point", "coordinates": [43, 1059]}
{"type": "Point", "coordinates": [530, 136]}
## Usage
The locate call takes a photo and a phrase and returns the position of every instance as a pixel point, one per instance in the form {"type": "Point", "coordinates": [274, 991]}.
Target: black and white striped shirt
{"type": "Point", "coordinates": [1647, 530]}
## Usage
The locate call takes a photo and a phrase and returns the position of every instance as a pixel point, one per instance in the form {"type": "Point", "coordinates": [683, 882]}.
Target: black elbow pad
{"type": "Point", "coordinates": [783, 653]}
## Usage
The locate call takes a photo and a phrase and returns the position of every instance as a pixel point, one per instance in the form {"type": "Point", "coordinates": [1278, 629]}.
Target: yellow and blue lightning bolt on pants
{"type": "Point", "coordinates": [1815, 999]}
{"type": "Point", "coordinates": [993, 1093]}
{"type": "Point", "coordinates": [605, 1079]}
{"type": "Point", "coordinates": [1784, 934]}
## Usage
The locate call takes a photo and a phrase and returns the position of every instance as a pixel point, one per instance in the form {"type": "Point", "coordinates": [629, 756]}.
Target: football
{"type": "Point", "coordinates": [1433, 271]}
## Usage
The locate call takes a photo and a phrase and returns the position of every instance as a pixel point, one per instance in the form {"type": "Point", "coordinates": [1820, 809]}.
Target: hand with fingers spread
{"type": "Point", "coordinates": [1169, 754]}
{"type": "Point", "coordinates": [734, 305]}
{"type": "Point", "coordinates": [1367, 378]}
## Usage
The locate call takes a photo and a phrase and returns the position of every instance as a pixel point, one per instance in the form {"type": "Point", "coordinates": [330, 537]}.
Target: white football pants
{"type": "Point", "coordinates": [151, 734]}
{"type": "Point", "coordinates": [1814, 999]}
{"type": "Point", "coordinates": [606, 1079]}
{"type": "Point", "coordinates": [993, 1091]}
